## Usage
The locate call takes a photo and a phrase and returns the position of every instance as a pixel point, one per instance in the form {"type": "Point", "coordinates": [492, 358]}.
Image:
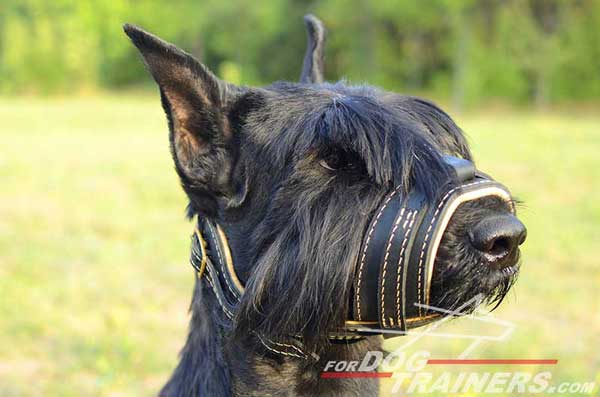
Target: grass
{"type": "Point", "coordinates": [94, 279]}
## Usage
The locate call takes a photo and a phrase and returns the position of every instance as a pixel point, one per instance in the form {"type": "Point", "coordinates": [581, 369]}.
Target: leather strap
{"type": "Point", "coordinates": [209, 257]}
{"type": "Point", "coordinates": [209, 272]}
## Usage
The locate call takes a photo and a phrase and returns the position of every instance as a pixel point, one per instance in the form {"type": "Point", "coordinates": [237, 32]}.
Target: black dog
{"type": "Point", "coordinates": [291, 184]}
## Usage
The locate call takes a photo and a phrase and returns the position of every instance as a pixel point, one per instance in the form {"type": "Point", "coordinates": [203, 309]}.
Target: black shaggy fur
{"type": "Point", "coordinates": [293, 172]}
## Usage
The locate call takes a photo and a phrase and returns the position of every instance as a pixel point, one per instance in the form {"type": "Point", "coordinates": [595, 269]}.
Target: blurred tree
{"type": "Point", "coordinates": [536, 51]}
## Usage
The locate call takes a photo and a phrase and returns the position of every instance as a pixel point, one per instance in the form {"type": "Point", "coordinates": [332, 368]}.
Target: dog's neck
{"type": "Point", "coordinates": [213, 365]}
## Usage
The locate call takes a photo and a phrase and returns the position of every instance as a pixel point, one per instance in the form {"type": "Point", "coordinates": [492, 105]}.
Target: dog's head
{"type": "Point", "coordinates": [295, 173]}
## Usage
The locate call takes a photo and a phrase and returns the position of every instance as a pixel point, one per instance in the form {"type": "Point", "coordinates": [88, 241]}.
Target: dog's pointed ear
{"type": "Point", "coordinates": [196, 103]}
{"type": "Point", "coordinates": [313, 69]}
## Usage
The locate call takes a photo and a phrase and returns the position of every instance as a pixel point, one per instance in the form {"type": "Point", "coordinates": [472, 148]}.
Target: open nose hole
{"type": "Point", "coordinates": [500, 246]}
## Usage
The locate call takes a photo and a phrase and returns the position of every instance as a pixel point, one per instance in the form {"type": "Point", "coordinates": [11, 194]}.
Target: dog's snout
{"type": "Point", "coordinates": [498, 237]}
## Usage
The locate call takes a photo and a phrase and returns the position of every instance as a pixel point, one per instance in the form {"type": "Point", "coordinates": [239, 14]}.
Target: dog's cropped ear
{"type": "Point", "coordinates": [198, 107]}
{"type": "Point", "coordinates": [313, 69]}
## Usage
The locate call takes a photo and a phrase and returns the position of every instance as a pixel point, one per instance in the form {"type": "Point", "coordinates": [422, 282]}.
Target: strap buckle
{"type": "Point", "coordinates": [204, 259]}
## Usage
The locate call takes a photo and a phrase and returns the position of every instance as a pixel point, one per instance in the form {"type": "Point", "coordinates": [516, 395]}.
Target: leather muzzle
{"type": "Point", "coordinates": [392, 283]}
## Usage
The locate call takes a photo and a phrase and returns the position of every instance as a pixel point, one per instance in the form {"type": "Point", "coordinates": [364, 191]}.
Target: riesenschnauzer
{"type": "Point", "coordinates": [328, 214]}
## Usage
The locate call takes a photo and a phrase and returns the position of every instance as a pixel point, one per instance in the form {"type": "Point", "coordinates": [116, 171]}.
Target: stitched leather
{"type": "Point", "coordinates": [394, 272]}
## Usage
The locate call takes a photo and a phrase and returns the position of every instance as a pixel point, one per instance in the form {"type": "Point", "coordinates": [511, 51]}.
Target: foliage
{"type": "Point", "coordinates": [535, 51]}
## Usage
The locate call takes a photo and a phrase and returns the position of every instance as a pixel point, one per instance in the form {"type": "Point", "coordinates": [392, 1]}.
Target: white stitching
{"type": "Point", "coordinates": [277, 351]}
{"type": "Point", "coordinates": [442, 201]}
{"type": "Point", "coordinates": [400, 261]}
{"type": "Point", "coordinates": [364, 253]}
{"type": "Point", "coordinates": [221, 261]}
{"type": "Point", "coordinates": [286, 345]}
{"type": "Point", "coordinates": [347, 337]}
{"type": "Point", "coordinates": [229, 314]}
{"type": "Point", "coordinates": [385, 262]}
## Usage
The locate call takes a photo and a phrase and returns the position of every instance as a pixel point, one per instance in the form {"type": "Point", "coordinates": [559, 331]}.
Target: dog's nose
{"type": "Point", "coordinates": [498, 237]}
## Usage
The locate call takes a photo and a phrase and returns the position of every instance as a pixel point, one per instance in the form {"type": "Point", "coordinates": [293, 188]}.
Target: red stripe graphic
{"type": "Point", "coordinates": [488, 362]}
{"type": "Point", "coordinates": [330, 375]}
{"type": "Point", "coordinates": [455, 361]}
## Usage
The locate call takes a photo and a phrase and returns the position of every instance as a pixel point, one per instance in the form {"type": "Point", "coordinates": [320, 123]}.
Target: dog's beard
{"type": "Point", "coordinates": [304, 269]}
{"type": "Point", "coordinates": [461, 276]}
{"type": "Point", "coordinates": [467, 283]}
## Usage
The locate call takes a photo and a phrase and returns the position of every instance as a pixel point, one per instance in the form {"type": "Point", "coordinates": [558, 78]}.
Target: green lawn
{"type": "Point", "coordinates": [94, 279]}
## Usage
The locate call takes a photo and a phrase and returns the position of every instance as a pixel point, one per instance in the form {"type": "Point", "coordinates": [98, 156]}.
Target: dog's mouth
{"type": "Point", "coordinates": [510, 271]}
{"type": "Point", "coordinates": [445, 270]}
{"type": "Point", "coordinates": [497, 277]}
{"type": "Point", "coordinates": [470, 285]}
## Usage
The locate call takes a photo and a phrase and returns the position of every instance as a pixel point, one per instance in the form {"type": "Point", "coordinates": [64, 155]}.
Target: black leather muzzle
{"type": "Point", "coordinates": [393, 275]}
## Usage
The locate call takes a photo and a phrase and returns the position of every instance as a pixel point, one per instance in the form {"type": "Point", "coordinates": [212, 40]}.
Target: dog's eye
{"type": "Point", "coordinates": [326, 165]}
{"type": "Point", "coordinates": [337, 161]}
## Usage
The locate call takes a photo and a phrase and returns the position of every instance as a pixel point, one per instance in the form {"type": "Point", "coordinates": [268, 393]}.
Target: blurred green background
{"type": "Point", "coordinates": [94, 280]}
{"type": "Point", "coordinates": [538, 51]}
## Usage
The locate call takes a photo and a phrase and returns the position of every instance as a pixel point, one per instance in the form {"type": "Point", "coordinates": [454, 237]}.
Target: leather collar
{"type": "Point", "coordinates": [212, 260]}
